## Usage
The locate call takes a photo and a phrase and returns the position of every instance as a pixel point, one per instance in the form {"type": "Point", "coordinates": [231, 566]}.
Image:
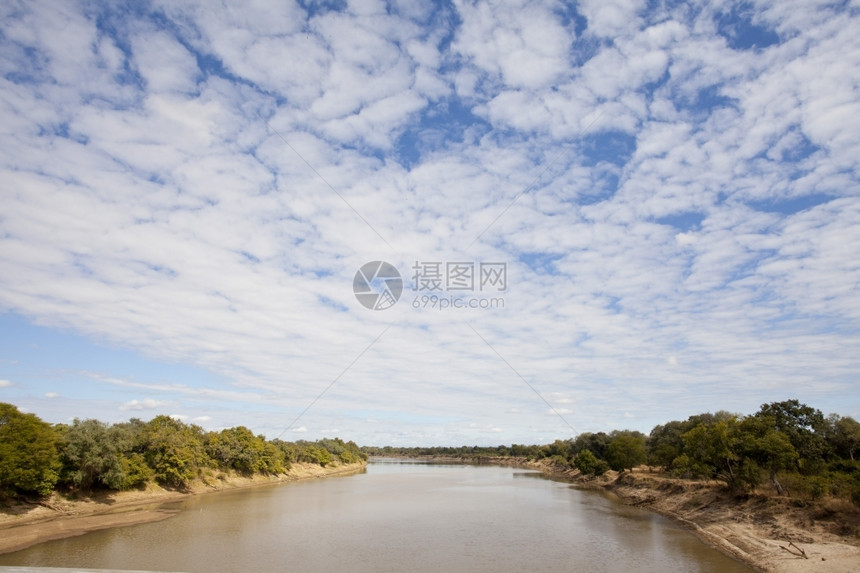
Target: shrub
{"type": "Point", "coordinates": [589, 464]}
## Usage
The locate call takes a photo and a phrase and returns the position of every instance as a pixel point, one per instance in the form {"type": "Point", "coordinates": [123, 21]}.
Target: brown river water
{"type": "Point", "coordinates": [397, 516]}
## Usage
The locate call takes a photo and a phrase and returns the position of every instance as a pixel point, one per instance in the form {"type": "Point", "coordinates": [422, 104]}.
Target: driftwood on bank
{"type": "Point", "coordinates": [799, 553]}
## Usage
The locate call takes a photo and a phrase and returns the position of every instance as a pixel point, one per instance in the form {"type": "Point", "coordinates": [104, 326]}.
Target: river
{"type": "Point", "coordinates": [397, 516]}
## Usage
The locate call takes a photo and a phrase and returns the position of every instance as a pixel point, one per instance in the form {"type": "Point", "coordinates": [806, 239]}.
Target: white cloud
{"type": "Point", "coordinates": [522, 43]}
{"type": "Point", "coordinates": [51, 395]}
{"type": "Point", "coordinates": [145, 404]}
{"type": "Point", "coordinates": [148, 202]}
{"type": "Point", "coordinates": [6, 384]}
{"type": "Point", "coordinates": [612, 18]}
{"type": "Point", "coordinates": [164, 63]}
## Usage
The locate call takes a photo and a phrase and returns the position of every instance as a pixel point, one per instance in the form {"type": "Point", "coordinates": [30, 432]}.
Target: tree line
{"type": "Point", "coordinates": [37, 457]}
{"type": "Point", "coordinates": [790, 446]}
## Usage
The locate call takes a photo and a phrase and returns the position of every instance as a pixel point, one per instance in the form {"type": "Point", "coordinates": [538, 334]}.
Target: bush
{"type": "Point", "coordinates": [589, 464]}
{"type": "Point", "coordinates": [686, 467]}
{"type": "Point", "coordinates": [315, 455]}
{"type": "Point", "coordinates": [818, 487]}
{"type": "Point", "coordinates": [136, 472]}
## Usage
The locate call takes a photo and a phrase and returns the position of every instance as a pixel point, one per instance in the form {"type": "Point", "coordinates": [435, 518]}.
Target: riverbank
{"type": "Point", "coordinates": [24, 524]}
{"type": "Point", "coordinates": [769, 533]}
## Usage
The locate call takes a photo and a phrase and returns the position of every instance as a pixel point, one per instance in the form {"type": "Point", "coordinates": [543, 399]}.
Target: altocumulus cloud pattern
{"type": "Point", "coordinates": [673, 187]}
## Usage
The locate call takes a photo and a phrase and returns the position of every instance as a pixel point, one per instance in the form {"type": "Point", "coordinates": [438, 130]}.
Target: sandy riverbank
{"type": "Point", "coordinates": [770, 533]}
{"type": "Point", "coordinates": [25, 524]}
{"type": "Point", "coordinates": [765, 531]}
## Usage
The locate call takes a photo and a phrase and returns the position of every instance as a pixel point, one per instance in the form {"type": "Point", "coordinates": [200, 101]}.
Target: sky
{"type": "Point", "coordinates": [596, 215]}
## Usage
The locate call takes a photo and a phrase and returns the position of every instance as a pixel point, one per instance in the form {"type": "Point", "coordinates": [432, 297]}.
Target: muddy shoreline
{"type": "Point", "coordinates": [25, 524]}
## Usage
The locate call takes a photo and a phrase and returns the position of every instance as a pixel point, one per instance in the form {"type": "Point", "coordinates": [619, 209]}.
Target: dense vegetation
{"type": "Point", "coordinates": [37, 457]}
{"type": "Point", "coordinates": [788, 446]}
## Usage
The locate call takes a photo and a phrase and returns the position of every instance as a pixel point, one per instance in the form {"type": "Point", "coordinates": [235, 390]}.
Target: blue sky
{"type": "Point", "coordinates": [187, 192]}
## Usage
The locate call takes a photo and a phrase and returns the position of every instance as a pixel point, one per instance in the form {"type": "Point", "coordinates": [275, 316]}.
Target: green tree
{"type": "Point", "coordinates": [760, 444]}
{"type": "Point", "coordinates": [130, 436]}
{"type": "Point", "coordinates": [349, 452]}
{"type": "Point", "coordinates": [524, 451]}
{"type": "Point", "coordinates": [135, 470]}
{"type": "Point", "coordinates": [665, 443]}
{"type": "Point", "coordinates": [289, 452]}
{"type": "Point", "coordinates": [29, 462]}
{"type": "Point", "coordinates": [805, 428]}
{"type": "Point", "coordinates": [587, 463]}
{"type": "Point", "coordinates": [237, 448]}
{"type": "Point", "coordinates": [713, 448]}
{"type": "Point", "coordinates": [131, 441]}
{"type": "Point", "coordinates": [314, 454]}
{"type": "Point", "coordinates": [776, 453]}
{"type": "Point", "coordinates": [562, 449]}
{"type": "Point", "coordinates": [597, 443]}
{"type": "Point", "coordinates": [334, 446]}
{"type": "Point", "coordinates": [687, 467]}
{"type": "Point", "coordinates": [626, 450]}
{"type": "Point", "coordinates": [174, 450]}
{"type": "Point", "coordinates": [844, 436]}
{"type": "Point", "coordinates": [91, 456]}
{"type": "Point", "coordinates": [271, 459]}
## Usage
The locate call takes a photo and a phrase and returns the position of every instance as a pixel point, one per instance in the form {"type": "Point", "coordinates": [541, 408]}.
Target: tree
{"type": "Point", "coordinates": [91, 456]}
{"type": "Point", "coordinates": [289, 452]}
{"type": "Point", "coordinates": [350, 453]}
{"type": "Point", "coordinates": [271, 459]}
{"type": "Point", "coordinates": [561, 451]}
{"type": "Point", "coordinates": [665, 443]}
{"type": "Point", "coordinates": [314, 454]}
{"type": "Point", "coordinates": [776, 453]}
{"type": "Point", "coordinates": [130, 436]}
{"type": "Point", "coordinates": [174, 450]}
{"type": "Point", "coordinates": [130, 439]}
{"type": "Point", "coordinates": [760, 444]}
{"type": "Point", "coordinates": [844, 436]}
{"type": "Point", "coordinates": [805, 428]}
{"type": "Point", "coordinates": [713, 447]}
{"type": "Point", "coordinates": [587, 463]}
{"type": "Point", "coordinates": [625, 451]}
{"type": "Point", "coordinates": [597, 443]}
{"type": "Point", "coordinates": [28, 455]}
{"type": "Point", "coordinates": [135, 470]}
{"type": "Point", "coordinates": [236, 448]}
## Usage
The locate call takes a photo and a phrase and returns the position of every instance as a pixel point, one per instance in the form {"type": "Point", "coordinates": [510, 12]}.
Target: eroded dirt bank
{"type": "Point", "coordinates": [24, 524]}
